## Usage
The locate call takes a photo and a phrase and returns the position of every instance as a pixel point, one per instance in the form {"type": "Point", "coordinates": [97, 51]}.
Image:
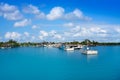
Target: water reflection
{"type": "Point", "coordinates": [90, 57]}
{"type": "Point", "coordinates": [69, 52]}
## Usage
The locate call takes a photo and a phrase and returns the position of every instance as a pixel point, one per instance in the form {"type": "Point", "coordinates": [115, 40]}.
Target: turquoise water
{"type": "Point", "coordinates": [30, 63]}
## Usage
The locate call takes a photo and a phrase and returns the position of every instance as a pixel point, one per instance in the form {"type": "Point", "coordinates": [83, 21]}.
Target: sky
{"type": "Point", "coordinates": [60, 20]}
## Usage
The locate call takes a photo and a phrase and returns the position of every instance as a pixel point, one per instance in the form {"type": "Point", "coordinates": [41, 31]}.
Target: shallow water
{"type": "Point", "coordinates": [31, 63]}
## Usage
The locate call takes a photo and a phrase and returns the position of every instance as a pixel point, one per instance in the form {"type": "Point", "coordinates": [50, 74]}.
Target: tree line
{"type": "Point", "coordinates": [13, 43]}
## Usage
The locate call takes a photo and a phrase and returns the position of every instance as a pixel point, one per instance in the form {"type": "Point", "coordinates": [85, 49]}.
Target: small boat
{"type": "Point", "coordinates": [49, 46]}
{"type": "Point", "coordinates": [88, 51]}
{"type": "Point", "coordinates": [69, 48]}
{"type": "Point", "coordinates": [78, 47]}
{"type": "Point", "coordinates": [2, 47]}
{"type": "Point", "coordinates": [66, 47]}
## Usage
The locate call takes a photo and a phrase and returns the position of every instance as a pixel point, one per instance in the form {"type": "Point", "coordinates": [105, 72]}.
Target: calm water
{"type": "Point", "coordinates": [29, 63]}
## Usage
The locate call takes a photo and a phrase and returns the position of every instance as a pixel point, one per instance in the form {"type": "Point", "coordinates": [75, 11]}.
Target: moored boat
{"type": "Point", "coordinates": [88, 51]}
{"type": "Point", "coordinates": [68, 48]}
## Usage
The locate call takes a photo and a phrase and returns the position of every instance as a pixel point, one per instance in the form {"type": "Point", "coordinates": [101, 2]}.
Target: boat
{"type": "Point", "coordinates": [2, 47]}
{"type": "Point", "coordinates": [89, 52]}
{"type": "Point", "coordinates": [66, 47]}
{"type": "Point", "coordinates": [49, 46]}
{"type": "Point", "coordinates": [78, 47]}
{"type": "Point", "coordinates": [69, 48]}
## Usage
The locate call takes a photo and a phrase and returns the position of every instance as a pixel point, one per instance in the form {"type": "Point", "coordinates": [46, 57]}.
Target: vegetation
{"type": "Point", "coordinates": [12, 43]}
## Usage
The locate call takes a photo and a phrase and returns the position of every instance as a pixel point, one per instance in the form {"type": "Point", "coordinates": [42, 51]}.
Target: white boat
{"type": "Point", "coordinates": [2, 47]}
{"type": "Point", "coordinates": [49, 46]}
{"type": "Point", "coordinates": [78, 47]}
{"type": "Point", "coordinates": [88, 51]}
{"type": "Point", "coordinates": [69, 48]}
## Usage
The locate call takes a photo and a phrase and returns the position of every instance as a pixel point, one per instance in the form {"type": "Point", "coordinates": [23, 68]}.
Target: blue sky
{"type": "Point", "coordinates": [60, 20]}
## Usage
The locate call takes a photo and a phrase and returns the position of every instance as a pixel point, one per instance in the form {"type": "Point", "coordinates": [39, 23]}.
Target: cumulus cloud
{"type": "Point", "coordinates": [76, 15]}
{"type": "Point", "coordinates": [97, 30]}
{"type": "Point", "coordinates": [41, 15]}
{"type": "Point", "coordinates": [31, 9]}
{"type": "Point", "coordinates": [33, 38]}
{"type": "Point", "coordinates": [34, 27]}
{"type": "Point", "coordinates": [55, 35]}
{"type": "Point", "coordinates": [59, 13]}
{"type": "Point", "coordinates": [7, 8]}
{"type": "Point", "coordinates": [70, 24]}
{"type": "Point", "coordinates": [41, 37]}
{"type": "Point", "coordinates": [58, 36]}
{"type": "Point", "coordinates": [117, 29]}
{"type": "Point", "coordinates": [55, 13]}
{"type": "Point", "coordinates": [22, 23]}
{"type": "Point", "coordinates": [12, 35]}
{"type": "Point", "coordinates": [94, 32]}
{"type": "Point", "coordinates": [10, 12]}
{"type": "Point", "coordinates": [51, 35]}
{"type": "Point", "coordinates": [89, 32]}
{"type": "Point", "coordinates": [43, 33]}
{"type": "Point", "coordinates": [13, 16]}
{"type": "Point", "coordinates": [26, 34]}
{"type": "Point", "coordinates": [52, 32]}
{"type": "Point", "coordinates": [75, 29]}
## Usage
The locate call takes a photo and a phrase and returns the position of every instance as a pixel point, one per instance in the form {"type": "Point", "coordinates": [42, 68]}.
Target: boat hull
{"type": "Point", "coordinates": [69, 49]}
{"type": "Point", "coordinates": [90, 52]}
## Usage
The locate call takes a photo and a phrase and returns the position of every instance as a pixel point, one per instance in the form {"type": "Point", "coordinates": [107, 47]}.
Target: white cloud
{"type": "Point", "coordinates": [89, 32]}
{"type": "Point", "coordinates": [52, 33]}
{"type": "Point", "coordinates": [34, 27]}
{"type": "Point", "coordinates": [57, 36]}
{"type": "Point", "coordinates": [26, 34]}
{"type": "Point", "coordinates": [50, 36]}
{"type": "Point", "coordinates": [76, 15]}
{"type": "Point", "coordinates": [117, 29]}
{"type": "Point", "coordinates": [55, 13]}
{"type": "Point", "coordinates": [59, 13]}
{"type": "Point", "coordinates": [13, 16]}
{"type": "Point", "coordinates": [41, 15]}
{"type": "Point", "coordinates": [10, 12]}
{"type": "Point", "coordinates": [43, 33]}
{"type": "Point", "coordinates": [31, 9]}
{"type": "Point", "coordinates": [70, 24]}
{"type": "Point", "coordinates": [7, 8]}
{"type": "Point", "coordinates": [41, 37]}
{"type": "Point", "coordinates": [33, 37]}
{"type": "Point", "coordinates": [22, 23]}
{"type": "Point", "coordinates": [12, 35]}
{"type": "Point", "coordinates": [79, 14]}
{"type": "Point", "coordinates": [97, 30]}
{"type": "Point", "coordinates": [76, 29]}
{"type": "Point", "coordinates": [83, 31]}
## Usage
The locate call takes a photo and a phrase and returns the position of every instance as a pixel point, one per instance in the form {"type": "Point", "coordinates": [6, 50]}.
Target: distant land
{"type": "Point", "coordinates": [12, 43]}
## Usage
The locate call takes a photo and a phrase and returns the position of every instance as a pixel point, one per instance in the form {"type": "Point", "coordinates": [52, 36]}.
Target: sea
{"type": "Point", "coordinates": [49, 63]}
